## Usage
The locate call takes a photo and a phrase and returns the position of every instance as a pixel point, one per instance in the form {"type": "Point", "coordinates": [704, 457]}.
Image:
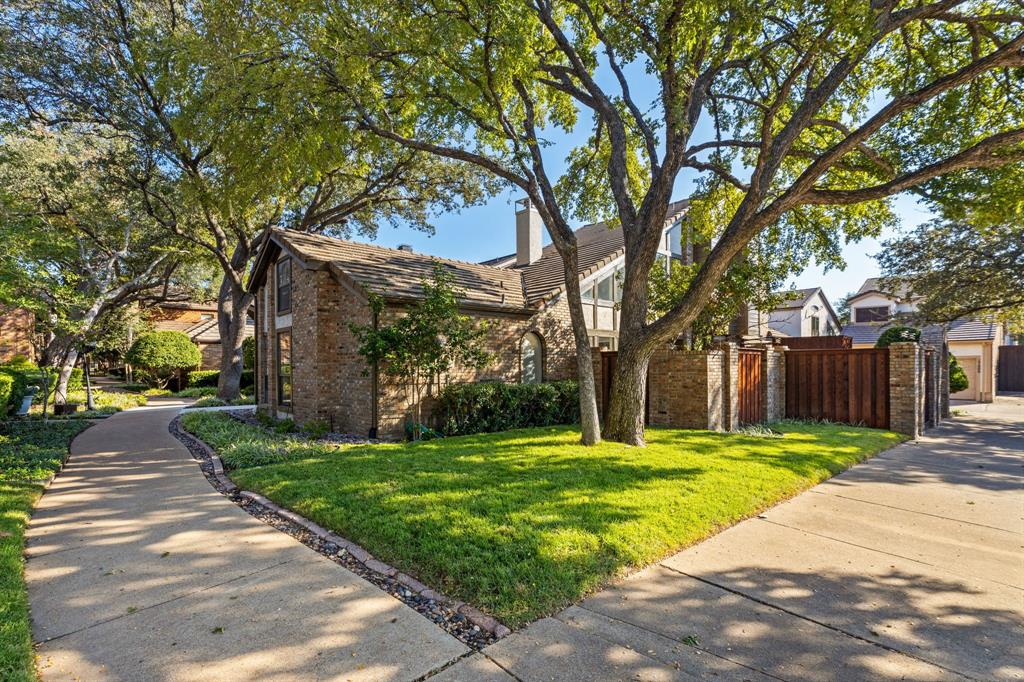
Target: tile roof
{"type": "Point", "coordinates": [796, 298]}
{"type": "Point", "coordinates": [598, 244]}
{"type": "Point", "coordinates": [864, 333]}
{"type": "Point", "coordinates": [875, 284]}
{"type": "Point", "coordinates": [498, 282]}
{"type": "Point", "coordinates": [397, 274]}
{"type": "Point", "coordinates": [972, 330]}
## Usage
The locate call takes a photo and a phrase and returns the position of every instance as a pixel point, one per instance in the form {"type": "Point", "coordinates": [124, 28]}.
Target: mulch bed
{"type": "Point", "coordinates": [444, 615]}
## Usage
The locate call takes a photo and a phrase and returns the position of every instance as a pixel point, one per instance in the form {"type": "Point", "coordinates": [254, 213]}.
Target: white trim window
{"type": "Point", "coordinates": [531, 359]}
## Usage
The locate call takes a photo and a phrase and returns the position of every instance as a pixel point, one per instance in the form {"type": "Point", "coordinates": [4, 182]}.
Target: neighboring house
{"type": "Point", "coordinates": [975, 344]}
{"type": "Point", "coordinates": [804, 312]}
{"type": "Point", "coordinates": [199, 322]}
{"type": "Point", "coordinates": [17, 334]}
{"type": "Point", "coordinates": [309, 289]}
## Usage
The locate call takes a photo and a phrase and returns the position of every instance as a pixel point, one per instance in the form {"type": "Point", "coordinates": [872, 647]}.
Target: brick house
{"type": "Point", "coordinates": [17, 334]}
{"type": "Point", "coordinates": [310, 288]}
{"type": "Point", "coordinates": [198, 320]}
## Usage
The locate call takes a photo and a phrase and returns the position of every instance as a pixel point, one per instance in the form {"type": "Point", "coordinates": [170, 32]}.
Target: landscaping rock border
{"type": "Point", "coordinates": [464, 622]}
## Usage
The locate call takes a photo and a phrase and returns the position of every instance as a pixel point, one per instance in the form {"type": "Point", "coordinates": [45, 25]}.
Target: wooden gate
{"type": "Point", "coordinates": [1011, 368]}
{"type": "Point", "coordinates": [749, 385]}
{"type": "Point", "coordinates": [849, 386]}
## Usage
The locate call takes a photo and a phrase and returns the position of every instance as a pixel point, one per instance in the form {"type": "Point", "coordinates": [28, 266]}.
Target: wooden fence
{"type": "Point", "coordinates": [749, 386]}
{"type": "Point", "coordinates": [816, 342]}
{"type": "Point", "coordinates": [1011, 368]}
{"type": "Point", "coordinates": [842, 385]}
{"type": "Point", "coordinates": [608, 360]}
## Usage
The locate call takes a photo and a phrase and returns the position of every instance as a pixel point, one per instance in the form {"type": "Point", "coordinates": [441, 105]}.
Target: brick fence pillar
{"type": "Point", "coordinates": [730, 387]}
{"type": "Point", "coordinates": [773, 383]}
{"type": "Point", "coordinates": [595, 356]}
{"type": "Point", "coordinates": [906, 388]}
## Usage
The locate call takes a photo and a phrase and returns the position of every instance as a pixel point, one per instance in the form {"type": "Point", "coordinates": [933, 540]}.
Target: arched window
{"type": "Point", "coordinates": [531, 359]}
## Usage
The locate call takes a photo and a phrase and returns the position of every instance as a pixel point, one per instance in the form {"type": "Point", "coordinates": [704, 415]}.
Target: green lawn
{"type": "Point", "coordinates": [28, 450]}
{"type": "Point", "coordinates": [522, 523]}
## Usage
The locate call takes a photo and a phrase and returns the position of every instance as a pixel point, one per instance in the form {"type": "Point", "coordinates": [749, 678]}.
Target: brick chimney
{"type": "Point", "coordinates": [528, 232]}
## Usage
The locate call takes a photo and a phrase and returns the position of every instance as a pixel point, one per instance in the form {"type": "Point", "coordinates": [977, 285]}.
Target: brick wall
{"type": "Point", "coordinates": [17, 331]}
{"type": "Point", "coordinates": [211, 354]}
{"type": "Point", "coordinates": [906, 388]}
{"type": "Point", "coordinates": [773, 383]}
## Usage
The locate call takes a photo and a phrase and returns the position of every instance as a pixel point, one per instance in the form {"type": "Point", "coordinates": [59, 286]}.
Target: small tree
{"type": "Point", "coordinates": [432, 338]}
{"type": "Point", "coordinates": [897, 335]}
{"type": "Point", "coordinates": [164, 354]}
{"type": "Point", "coordinates": [957, 376]}
{"type": "Point", "coordinates": [249, 353]}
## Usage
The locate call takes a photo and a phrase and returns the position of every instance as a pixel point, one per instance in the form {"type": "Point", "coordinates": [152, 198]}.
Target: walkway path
{"type": "Point", "coordinates": [908, 566]}
{"type": "Point", "coordinates": [139, 570]}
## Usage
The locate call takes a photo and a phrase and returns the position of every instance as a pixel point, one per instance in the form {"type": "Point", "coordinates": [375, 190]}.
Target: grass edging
{"type": "Point", "coordinates": [359, 554]}
{"type": "Point", "coordinates": [18, 500]}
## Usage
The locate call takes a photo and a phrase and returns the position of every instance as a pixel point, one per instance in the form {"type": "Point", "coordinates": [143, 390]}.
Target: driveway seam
{"type": "Point", "coordinates": [162, 603]}
{"type": "Point", "coordinates": [834, 628]}
{"type": "Point", "coordinates": [883, 552]}
{"type": "Point", "coordinates": [661, 634]}
{"type": "Point", "coordinates": [914, 511]}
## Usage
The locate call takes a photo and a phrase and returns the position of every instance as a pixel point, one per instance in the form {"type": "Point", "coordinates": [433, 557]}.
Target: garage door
{"type": "Point", "coordinates": [970, 366]}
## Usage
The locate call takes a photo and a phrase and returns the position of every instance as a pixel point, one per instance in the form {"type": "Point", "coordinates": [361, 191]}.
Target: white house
{"type": "Point", "coordinates": [804, 312]}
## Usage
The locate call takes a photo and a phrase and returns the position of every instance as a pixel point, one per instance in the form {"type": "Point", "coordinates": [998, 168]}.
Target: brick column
{"type": "Point", "coordinates": [935, 335]}
{"type": "Point", "coordinates": [906, 388]}
{"type": "Point", "coordinates": [773, 383]}
{"type": "Point", "coordinates": [730, 386]}
{"type": "Point", "coordinates": [595, 356]}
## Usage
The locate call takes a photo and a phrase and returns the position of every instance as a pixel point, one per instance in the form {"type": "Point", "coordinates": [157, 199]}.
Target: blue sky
{"type": "Point", "coordinates": [481, 232]}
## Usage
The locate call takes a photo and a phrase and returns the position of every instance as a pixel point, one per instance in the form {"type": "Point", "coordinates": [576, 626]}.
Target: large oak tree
{"type": "Point", "coordinates": [796, 120]}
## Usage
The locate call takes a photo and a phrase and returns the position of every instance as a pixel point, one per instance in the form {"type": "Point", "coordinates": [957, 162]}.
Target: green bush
{"type": "Point", "coordinates": [6, 386]}
{"type": "Point", "coordinates": [316, 428]}
{"type": "Point", "coordinates": [164, 353]}
{"type": "Point", "coordinates": [249, 353]}
{"type": "Point", "coordinates": [76, 382]}
{"type": "Point", "coordinates": [156, 392]}
{"type": "Point", "coordinates": [495, 406]}
{"type": "Point", "coordinates": [241, 445]}
{"type": "Point", "coordinates": [897, 335]}
{"type": "Point", "coordinates": [197, 392]}
{"type": "Point", "coordinates": [957, 376]}
{"type": "Point", "coordinates": [209, 402]}
{"type": "Point", "coordinates": [210, 377]}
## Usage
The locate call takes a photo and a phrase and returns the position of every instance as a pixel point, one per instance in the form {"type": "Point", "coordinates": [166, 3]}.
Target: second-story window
{"type": "Point", "coordinates": [871, 314]}
{"type": "Point", "coordinates": [815, 326]}
{"type": "Point", "coordinates": [284, 285]}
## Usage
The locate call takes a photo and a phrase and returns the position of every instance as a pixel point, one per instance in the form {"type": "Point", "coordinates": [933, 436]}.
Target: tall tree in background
{"type": "Point", "coordinates": [76, 250]}
{"type": "Point", "coordinates": [817, 114]}
{"type": "Point", "coordinates": [210, 117]}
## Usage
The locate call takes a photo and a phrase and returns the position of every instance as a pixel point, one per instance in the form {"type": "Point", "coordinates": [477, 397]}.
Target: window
{"type": "Point", "coordinates": [620, 276]}
{"type": "Point", "coordinates": [284, 368]}
{"type": "Point", "coordinates": [871, 314]}
{"type": "Point", "coordinates": [604, 342]}
{"type": "Point", "coordinates": [204, 317]}
{"type": "Point", "coordinates": [587, 295]}
{"type": "Point", "coordinates": [531, 352]}
{"type": "Point", "coordinates": [284, 285]}
{"type": "Point", "coordinates": [815, 326]}
{"type": "Point", "coordinates": [604, 289]}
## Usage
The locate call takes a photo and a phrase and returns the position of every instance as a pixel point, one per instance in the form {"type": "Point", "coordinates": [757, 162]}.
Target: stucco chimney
{"type": "Point", "coordinates": [528, 232]}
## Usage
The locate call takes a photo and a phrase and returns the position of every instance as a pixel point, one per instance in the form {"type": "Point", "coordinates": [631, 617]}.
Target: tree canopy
{"type": "Point", "coordinates": [799, 122]}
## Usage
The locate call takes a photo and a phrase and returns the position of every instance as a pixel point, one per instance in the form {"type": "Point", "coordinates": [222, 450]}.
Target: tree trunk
{"type": "Point", "coordinates": [625, 420]}
{"type": "Point", "coordinates": [590, 423]}
{"type": "Point", "coordinates": [232, 308]}
{"type": "Point", "coordinates": [60, 394]}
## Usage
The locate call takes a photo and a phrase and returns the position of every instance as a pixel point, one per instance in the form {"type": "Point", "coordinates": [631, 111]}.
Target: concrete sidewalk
{"type": "Point", "coordinates": [139, 570]}
{"type": "Point", "coordinates": [909, 566]}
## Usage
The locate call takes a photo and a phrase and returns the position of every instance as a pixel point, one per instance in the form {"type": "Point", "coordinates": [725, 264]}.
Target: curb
{"type": "Point", "coordinates": [359, 554]}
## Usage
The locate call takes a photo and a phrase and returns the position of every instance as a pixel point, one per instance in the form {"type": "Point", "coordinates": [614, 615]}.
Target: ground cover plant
{"type": "Point", "coordinates": [521, 523]}
{"type": "Point", "coordinates": [29, 451]}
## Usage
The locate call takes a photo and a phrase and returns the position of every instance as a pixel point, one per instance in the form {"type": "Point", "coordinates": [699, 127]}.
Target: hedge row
{"type": "Point", "coordinates": [209, 377]}
{"type": "Point", "coordinates": [495, 406]}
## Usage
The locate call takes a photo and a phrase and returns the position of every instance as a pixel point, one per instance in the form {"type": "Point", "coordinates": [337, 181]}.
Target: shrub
{"type": "Point", "coordinates": [164, 353]}
{"type": "Point", "coordinates": [286, 426]}
{"type": "Point", "coordinates": [249, 353]}
{"type": "Point", "coordinates": [209, 402]}
{"type": "Point", "coordinates": [210, 377]}
{"type": "Point", "coordinates": [156, 392]}
{"type": "Point", "coordinates": [897, 335]}
{"type": "Point", "coordinates": [316, 428]}
{"type": "Point", "coordinates": [957, 376]}
{"type": "Point", "coordinates": [197, 392]}
{"type": "Point", "coordinates": [6, 386]}
{"type": "Point", "coordinates": [76, 382]}
{"type": "Point", "coordinates": [495, 406]}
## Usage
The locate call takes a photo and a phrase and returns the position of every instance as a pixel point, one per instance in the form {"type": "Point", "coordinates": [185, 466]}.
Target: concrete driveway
{"type": "Point", "coordinates": [138, 570]}
{"type": "Point", "coordinates": [909, 566]}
